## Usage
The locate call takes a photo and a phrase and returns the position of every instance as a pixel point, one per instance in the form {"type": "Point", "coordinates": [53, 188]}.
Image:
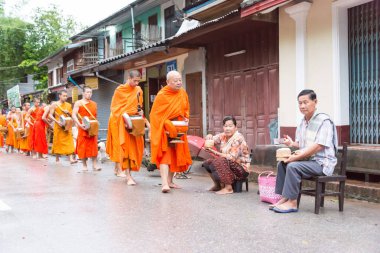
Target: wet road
{"type": "Point", "coordinates": [46, 207]}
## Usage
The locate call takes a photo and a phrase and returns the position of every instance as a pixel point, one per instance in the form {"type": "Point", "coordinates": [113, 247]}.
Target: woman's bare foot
{"type": "Point", "coordinates": [224, 191]}
{"type": "Point", "coordinates": [165, 189]}
{"type": "Point", "coordinates": [215, 188]}
{"type": "Point", "coordinates": [174, 186]}
{"type": "Point", "coordinates": [96, 169]}
{"type": "Point", "coordinates": [84, 168]}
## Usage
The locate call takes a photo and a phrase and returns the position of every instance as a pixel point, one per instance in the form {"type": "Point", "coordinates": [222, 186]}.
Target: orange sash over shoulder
{"type": "Point", "coordinates": [169, 104]}
{"type": "Point", "coordinates": [123, 147]}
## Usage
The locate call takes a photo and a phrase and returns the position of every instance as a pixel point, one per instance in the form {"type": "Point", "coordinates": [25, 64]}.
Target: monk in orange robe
{"type": "Point", "coordinates": [40, 147]}
{"type": "Point", "coordinates": [24, 142]}
{"type": "Point", "coordinates": [3, 126]}
{"type": "Point", "coordinates": [12, 125]}
{"type": "Point", "coordinates": [87, 145]}
{"type": "Point", "coordinates": [171, 103]}
{"type": "Point", "coordinates": [125, 149]}
{"type": "Point", "coordinates": [31, 118]}
{"type": "Point", "coordinates": [63, 141]}
{"type": "Point", "coordinates": [18, 119]}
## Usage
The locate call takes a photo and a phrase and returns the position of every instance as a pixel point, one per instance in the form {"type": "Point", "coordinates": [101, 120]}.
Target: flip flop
{"type": "Point", "coordinates": [290, 210]}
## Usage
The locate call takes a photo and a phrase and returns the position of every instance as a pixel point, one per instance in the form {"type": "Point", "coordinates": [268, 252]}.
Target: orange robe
{"type": "Point", "coordinates": [87, 146]}
{"type": "Point", "coordinates": [168, 105]}
{"type": "Point", "coordinates": [123, 147]}
{"type": "Point", "coordinates": [11, 138]}
{"type": "Point", "coordinates": [63, 141]}
{"type": "Point", "coordinates": [32, 119]}
{"type": "Point", "coordinates": [3, 123]}
{"type": "Point", "coordinates": [24, 142]}
{"type": "Point", "coordinates": [39, 138]}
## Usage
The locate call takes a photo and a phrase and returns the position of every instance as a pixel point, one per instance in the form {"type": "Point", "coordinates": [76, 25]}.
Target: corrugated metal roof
{"type": "Point", "coordinates": [210, 22]}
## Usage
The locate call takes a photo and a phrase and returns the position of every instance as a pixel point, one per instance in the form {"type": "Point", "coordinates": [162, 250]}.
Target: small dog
{"type": "Point", "coordinates": [102, 156]}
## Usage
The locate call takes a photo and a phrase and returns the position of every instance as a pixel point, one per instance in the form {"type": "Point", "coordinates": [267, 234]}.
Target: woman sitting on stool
{"type": "Point", "coordinates": [232, 163]}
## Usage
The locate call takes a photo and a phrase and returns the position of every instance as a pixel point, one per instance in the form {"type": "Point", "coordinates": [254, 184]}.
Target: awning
{"type": "Point", "coordinates": [250, 7]}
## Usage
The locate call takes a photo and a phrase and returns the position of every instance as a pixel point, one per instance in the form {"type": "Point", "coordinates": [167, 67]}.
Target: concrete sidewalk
{"type": "Point", "coordinates": [58, 208]}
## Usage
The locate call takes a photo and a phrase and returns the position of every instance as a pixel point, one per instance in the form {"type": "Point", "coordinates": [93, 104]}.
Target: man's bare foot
{"type": "Point", "coordinates": [224, 191]}
{"type": "Point", "coordinates": [121, 173]}
{"type": "Point", "coordinates": [174, 186]}
{"type": "Point", "coordinates": [281, 201]}
{"type": "Point", "coordinates": [130, 181]}
{"type": "Point", "coordinates": [215, 188]}
{"type": "Point", "coordinates": [165, 189]}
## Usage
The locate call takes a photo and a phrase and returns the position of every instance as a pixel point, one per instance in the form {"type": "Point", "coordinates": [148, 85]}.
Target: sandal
{"type": "Point", "coordinates": [182, 176]}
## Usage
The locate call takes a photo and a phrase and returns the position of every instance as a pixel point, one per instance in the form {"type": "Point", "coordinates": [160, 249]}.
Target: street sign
{"type": "Point", "coordinates": [171, 65]}
{"type": "Point", "coordinates": [92, 82]}
{"type": "Point", "coordinates": [13, 95]}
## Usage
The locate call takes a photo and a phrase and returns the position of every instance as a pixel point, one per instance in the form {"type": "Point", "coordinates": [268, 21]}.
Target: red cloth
{"type": "Point", "coordinates": [87, 146]}
{"type": "Point", "coordinates": [39, 139]}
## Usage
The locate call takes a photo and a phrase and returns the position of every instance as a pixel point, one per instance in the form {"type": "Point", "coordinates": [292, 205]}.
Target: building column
{"type": "Point", "coordinates": [299, 14]}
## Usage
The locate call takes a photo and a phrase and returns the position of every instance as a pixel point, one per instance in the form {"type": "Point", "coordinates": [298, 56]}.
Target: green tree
{"type": "Point", "coordinates": [12, 40]}
{"type": "Point", "coordinates": [49, 32]}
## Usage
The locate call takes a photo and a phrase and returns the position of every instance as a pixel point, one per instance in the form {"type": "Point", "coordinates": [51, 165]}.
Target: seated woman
{"type": "Point", "coordinates": [232, 163]}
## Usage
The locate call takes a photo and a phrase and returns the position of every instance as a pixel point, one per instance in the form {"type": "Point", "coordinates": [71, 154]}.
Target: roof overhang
{"type": "Point", "coordinates": [63, 51]}
{"type": "Point", "coordinates": [211, 9]}
{"type": "Point", "coordinates": [262, 6]}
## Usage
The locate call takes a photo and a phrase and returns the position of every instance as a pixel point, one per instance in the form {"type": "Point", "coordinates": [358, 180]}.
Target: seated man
{"type": "Point", "coordinates": [316, 138]}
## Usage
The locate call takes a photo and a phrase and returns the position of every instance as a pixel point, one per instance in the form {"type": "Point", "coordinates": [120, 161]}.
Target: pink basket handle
{"type": "Point", "coordinates": [264, 172]}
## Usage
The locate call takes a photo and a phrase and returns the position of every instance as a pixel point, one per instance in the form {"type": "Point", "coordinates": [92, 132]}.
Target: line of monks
{"type": "Point", "coordinates": [28, 129]}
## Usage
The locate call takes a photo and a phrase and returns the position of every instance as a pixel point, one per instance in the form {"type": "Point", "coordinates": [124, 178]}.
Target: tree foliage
{"type": "Point", "coordinates": [50, 31]}
{"type": "Point", "coordinates": [23, 45]}
{"type": "Point", "coordinates": [12, 40]}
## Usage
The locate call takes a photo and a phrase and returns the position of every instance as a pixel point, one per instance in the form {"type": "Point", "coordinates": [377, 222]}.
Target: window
{"type": "Point", "coordinates": [172, 24]}
{"type": "Point", "coordinates": [153, 31]}
{"type": "Point", "coordinates": [107, 47]}
{"type": "Point", "coordinates": [59, 75]}
{"type": "Point", "coordinates": [119, 43]}
{"type": "Point", "coordinates": [70, 65]}
{"type": "Point", "coordinates": [50, 79]}
{"type": "Point", "coordinates": [138, 36]}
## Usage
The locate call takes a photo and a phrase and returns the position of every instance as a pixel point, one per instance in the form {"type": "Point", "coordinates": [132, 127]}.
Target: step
{"type": "Point", "coordinates": [354, 188]}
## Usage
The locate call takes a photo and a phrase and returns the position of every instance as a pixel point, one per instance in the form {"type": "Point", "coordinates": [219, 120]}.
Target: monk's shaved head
{"type": "Point", "coordinates": [174, 80]}
{"type": "Point", "coordinates": [134, 73]}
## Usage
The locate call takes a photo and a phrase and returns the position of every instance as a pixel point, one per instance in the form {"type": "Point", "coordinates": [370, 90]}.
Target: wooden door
{"type": "Point", "coordinates": [194, 91]}
{"type": "Point", "coordinates": [252, 97]}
